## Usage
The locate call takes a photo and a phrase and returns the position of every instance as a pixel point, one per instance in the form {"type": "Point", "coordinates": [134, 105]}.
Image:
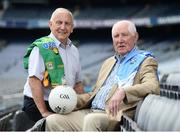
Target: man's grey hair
{"type": "Point", "coordinates": [131, 26]}
{"type": "Point", "coordinates": [61, 10]}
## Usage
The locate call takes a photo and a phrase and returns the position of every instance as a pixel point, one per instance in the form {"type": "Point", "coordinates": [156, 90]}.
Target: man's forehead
{"type": "Point", "coordinates": [63, 15]}
{"type": "Point", "coordinates": [122, 27]}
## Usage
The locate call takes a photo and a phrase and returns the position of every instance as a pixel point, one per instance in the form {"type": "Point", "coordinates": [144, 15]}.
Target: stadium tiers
{"type": "Point", "coordinates": [147, 21]}
{"type": "Point", "coordinates": [93, 15]}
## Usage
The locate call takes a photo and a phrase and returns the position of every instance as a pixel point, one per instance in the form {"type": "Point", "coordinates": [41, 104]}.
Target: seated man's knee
{"type": "Point", "coordinates": [90, 118]}
{"type": "Point", "coordinates": [95, 121]}
{"type": "Point", "coordinates": [51, 121]}
{"type": "Point", "coordinates": [51, 118]}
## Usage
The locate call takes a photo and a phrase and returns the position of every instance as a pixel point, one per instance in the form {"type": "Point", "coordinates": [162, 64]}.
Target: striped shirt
{"type": "Point", "coordinates": [100, 98]}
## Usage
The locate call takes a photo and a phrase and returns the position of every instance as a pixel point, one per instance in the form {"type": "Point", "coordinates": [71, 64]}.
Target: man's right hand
{"type": "Point", "coordinates": [47, 113]}
{"type": "Point", "coordinates": [38, 95]}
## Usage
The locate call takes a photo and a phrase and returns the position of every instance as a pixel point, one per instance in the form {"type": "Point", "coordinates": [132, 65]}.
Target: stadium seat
{"type": "Point", "coordinates": [173, 79]}
{"type": "Point", "coordinates": [164, 78]}
{"type": "Point", "coordinates": [137, 110]}
{"type": "Point", "coordinates": [5, 122]}
{"type": "Point", "coordinates": [18, 119]}
{"type": "Point", "coordinates": [38, 126]}
{"type": "Point", "coordinates": [159, 113]}
{"type": "Point", "coordinates": [127, 124]}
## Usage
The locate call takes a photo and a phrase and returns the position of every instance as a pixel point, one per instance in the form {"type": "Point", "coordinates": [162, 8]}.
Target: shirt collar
{"type": "Point", "coordinates": [58, 43]}
{"type": "Point", "coordinates": [120, 57]}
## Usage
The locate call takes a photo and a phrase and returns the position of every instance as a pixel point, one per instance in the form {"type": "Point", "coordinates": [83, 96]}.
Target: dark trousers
{"type": "Point", "coordinates": [30, 108]}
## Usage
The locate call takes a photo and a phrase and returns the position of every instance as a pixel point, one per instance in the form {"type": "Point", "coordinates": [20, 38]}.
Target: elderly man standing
{"type": "Point", "coordinates": [49, 60]}
{"type": "Point", "coordinates": [124, 79]}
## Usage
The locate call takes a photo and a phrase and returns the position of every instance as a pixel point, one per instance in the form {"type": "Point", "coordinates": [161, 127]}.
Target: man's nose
{"type": "Point", "coordinates": [63, 26]}
{"type": "Point", "coordinates": [120, 37]}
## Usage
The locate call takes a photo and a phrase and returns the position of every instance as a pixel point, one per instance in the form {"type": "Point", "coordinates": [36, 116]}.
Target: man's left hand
{"type": "Point", "coordinates": [115, 101]}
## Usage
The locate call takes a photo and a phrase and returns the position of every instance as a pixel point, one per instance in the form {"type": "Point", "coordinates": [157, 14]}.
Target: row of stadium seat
{"type": "Point", "coordinates": [154, 113]}
{"type": "Point", "coordinates": [170, 79]}
{"type": "Point", "coordinates": [170, 91]}
{"type": "Point", "coordinates": [135, 11]}
{"type": "Point", "coordinates": [159, 113]}
{"type": "Point", "coordinates": [14, 119]}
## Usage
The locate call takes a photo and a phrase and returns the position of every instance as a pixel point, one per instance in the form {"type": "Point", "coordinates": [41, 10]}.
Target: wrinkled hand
{"type": "Point", "coordinates": [115, 101]}
{"type": "Point", "coordinates": [47, 113]}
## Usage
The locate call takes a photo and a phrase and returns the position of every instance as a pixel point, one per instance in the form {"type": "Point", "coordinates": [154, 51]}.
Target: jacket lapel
{"type": "Point", "coordinates": [103, 74]}
{"type": "Point", "coordinates": [105, 71]}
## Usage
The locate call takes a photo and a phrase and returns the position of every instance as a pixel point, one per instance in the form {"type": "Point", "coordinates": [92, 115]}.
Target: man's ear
{"type": "Point", "coordinates": [72, 28]}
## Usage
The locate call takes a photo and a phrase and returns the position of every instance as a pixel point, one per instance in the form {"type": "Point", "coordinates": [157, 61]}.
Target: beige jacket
{"type": "Point", "coordinates": [145, 82]}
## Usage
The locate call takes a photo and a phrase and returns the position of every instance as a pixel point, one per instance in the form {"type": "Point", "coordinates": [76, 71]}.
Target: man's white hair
{"type": "Point", "coordinates": [58, 10]}
{"type": "Point", "coordinates": [131, 26]}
